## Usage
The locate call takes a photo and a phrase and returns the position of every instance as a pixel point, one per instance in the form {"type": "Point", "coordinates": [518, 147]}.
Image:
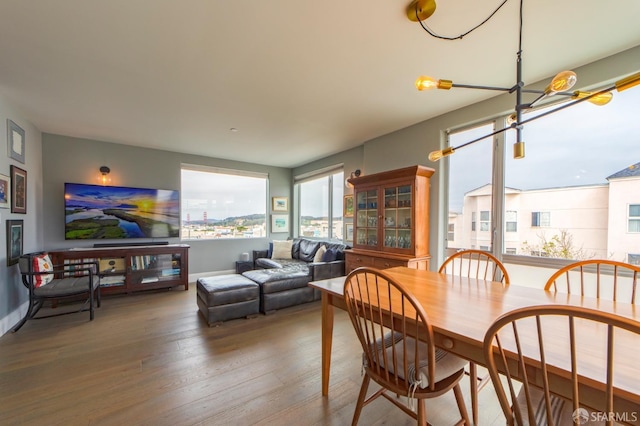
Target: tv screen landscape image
{"type": "Point", "coordinates": [114, 212]}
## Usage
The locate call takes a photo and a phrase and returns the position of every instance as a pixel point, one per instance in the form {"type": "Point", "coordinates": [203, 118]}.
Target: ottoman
{"type": "Point", "coordinates": [224, 297]}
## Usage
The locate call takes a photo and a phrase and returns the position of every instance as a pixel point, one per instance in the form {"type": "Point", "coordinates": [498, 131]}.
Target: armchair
{"type": "Point", "coordinates": [46, 281]}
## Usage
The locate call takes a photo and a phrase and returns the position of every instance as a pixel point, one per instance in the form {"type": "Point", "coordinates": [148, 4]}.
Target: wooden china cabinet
{"type": "Point", "coordinates": [391, 219]}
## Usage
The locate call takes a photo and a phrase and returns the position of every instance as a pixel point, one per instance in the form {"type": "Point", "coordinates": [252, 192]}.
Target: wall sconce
{"type": "Point", "coordinates": [356, 173]}
{"type": "Point", "coordinates": [104, 171]}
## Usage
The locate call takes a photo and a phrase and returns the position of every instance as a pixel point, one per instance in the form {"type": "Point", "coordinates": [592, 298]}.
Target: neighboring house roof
{"type": "Point", "coordinates": [631, 171]}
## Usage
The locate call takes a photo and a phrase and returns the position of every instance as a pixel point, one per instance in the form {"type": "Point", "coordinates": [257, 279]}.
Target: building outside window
{"type": "Point", "coordinates": [221, 203]}
{"type": "Point", "coordinates": [320, 198]}
{"type": "Point", "coordinates": [451, 232]}
{"type": "Point", "coordinates": [473, 221]}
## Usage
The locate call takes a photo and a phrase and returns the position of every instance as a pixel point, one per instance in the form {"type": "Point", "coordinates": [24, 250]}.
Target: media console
{"type": "Point", "coordinates": [129, 269]}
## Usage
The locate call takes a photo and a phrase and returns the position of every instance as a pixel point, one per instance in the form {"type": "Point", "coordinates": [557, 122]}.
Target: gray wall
{"type": "Point", "coordinates": [13, 294]}
{"type": "Point", "coordinates": [68, 159]}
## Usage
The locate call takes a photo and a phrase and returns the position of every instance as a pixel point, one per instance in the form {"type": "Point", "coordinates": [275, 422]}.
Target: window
{"type": "Point", "coordinates": [320, 202]}
{"type": "Point", "coordinates": [633, 259]}
{"type": "Point", "coordinates": [593, 198]}
{"type": "Point", "coordinates": [451, 232]}
{"type": "Point", "coordinates": [470, 190]}
{"type": "Point", "coordinates": [221, 203]}
{"type": "Point", "coordinates": [511, 221]}
{"type": "Point", "coordinates": [539, 219]}
{"type": "Point", "coordinates": [634, 218]}
{"type": "Point", "coordinates": [485, 220]}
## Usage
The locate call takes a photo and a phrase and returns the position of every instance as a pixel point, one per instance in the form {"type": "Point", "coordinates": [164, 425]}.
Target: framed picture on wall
{"type": "Point", "coordinates": [5, 191]}
{"type": "Point", "coordinates": [14, 241]}
{"type": "Point", "coordinates": [279, 223]}
{"type": "Point", "coordinates": [18, 190]}
{"type": "Point", "coordinates": [348, 232]}
{"type": "Point", "coordinates": [348, 205]}
{"type": "Point", "coordinates": [15, 141]}
{"type": "Point", "coordinates": [280, 204]}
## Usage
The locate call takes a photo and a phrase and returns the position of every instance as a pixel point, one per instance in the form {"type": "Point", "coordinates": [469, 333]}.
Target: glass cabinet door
{"type": "Point", "coordinates": [397, 220]}
{"type": "Point", "coordinates": [367, 218]}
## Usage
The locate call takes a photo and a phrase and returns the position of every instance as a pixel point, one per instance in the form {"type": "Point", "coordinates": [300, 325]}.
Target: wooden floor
{"type": "Point", "coordinates": [150, 359]}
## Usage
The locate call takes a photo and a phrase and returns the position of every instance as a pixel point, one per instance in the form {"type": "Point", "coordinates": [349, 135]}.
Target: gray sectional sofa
{"type": "Point", "coordinates": [283, 280]}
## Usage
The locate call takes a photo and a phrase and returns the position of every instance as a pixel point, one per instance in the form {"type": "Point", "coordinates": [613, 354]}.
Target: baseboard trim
{"type": "Point", "coordinates": [13, 318]}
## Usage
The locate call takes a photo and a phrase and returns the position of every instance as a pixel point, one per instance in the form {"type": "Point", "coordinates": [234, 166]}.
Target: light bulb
{"type": "Point", "coordinates": [426, 83]}
{"type": "Point", "coordinates": [436, 155]}
{"type": "Point", "coordinates": [518, 150]}
{"type": "Point", "coordinates": [601, 99]}
{"type": "Point", "coordinates": [563, 81]}
{"type": "Point", "coordinates": [513, 118]}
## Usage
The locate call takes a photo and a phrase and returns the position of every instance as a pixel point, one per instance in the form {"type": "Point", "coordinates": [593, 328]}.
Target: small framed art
{"type": "Point", "coordinates": [5, 191]}
{"type": "Point", "coordinates": [18, 190]}
{"type": "Point", "coordinates": [15, 139]}
{"type": "Point", "coordinates": [280, 204]}
{"type": "Point", "coordinates": [14, 241]}
{"type": "Point", "coordinates": [348, 232]}
{"type": "Point", "coordinates": [348, 206]}
{"type": "Point", "coordinates": [279, 223]}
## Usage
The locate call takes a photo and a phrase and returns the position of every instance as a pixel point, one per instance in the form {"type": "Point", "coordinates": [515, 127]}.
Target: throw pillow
{"type": "Point", "coordinates": [321, 251]}
{"type": "Point", "coordinates": [270, 251]}
{"type": "Point", "coordinates": [42, 263]}
{"type": "Point", "coordinates": [330, 255]}
{"type": "Point", "coordinates": [282, 249]}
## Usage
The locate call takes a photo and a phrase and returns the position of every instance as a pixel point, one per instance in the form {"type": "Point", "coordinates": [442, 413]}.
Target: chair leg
{"type": "Point", "coordinates": [361, 397]}
{"type": "Point", "coordinates": [91, 302]}
{"type": "Point", "coordinates": [473, 380]}
{"type": "Point", "coordinates": [422, 413]}
{"type": "Point", "coordinates": [461, 406]}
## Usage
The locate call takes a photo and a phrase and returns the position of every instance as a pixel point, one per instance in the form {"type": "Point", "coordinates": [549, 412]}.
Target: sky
{"type": "Point", "coordinates": [580, 145]}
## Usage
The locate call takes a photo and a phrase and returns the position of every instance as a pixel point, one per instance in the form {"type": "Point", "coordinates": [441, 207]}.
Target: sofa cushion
{"type": "Point", "coordinates": [329, 255]}
{"type": "Point", "coordinates": [308, 249]}
{"type": "Point", "coordinates": [281, 249]}
{"type": "Point", "coordinates": [295, 248]}
{"type": "Point", "coordinates": [267, 263]}
{"type": "Point", "coordinates": [320, 253]}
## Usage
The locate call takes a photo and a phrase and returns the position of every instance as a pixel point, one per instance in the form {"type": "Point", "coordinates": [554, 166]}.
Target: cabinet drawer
{"type": "Point", "coordinates": [382, 263]}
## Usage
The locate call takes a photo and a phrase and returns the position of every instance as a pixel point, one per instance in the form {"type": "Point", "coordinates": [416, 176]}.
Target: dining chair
{"type": "Point", "coordinates": [540, 347]}
{"type": "Point", "coordinates": [480, 265]}
{"type": "Point", "coordinates": [387, 319]}
{"type": "Point", "coordinates": [46, 281]}
{"type": "Point", "coordinates": [599, 278]}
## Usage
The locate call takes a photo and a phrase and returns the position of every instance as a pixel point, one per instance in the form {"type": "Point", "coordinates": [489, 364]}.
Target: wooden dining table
{"type": "Point", "coordinates": [461, 310]}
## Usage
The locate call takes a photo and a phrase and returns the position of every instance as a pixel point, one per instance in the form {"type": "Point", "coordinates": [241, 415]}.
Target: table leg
{"type": "Point", "coordinates": [327, 339]}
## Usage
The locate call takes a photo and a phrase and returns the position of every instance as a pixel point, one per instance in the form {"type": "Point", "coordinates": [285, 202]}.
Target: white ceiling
{"type": "Point", "coordinates": [300, 80]}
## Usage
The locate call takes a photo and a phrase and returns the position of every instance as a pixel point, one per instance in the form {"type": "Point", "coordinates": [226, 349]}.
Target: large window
{"type": "Point", "coordinates": [320, 204]}
{"type": "Point", "coordinates": [573, 196]}
{"type": "Point", "coordinates": [220, 203]}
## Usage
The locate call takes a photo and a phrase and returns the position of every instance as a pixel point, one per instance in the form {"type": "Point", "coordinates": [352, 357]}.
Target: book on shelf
{"type": "Point", "coordinates": [146, 280]}
{"type": "Point", "coordinates": [73, 266]}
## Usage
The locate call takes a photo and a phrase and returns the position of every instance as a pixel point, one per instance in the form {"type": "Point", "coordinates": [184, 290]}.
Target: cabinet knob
{"type": "Point", "coordinates": [386, 264]}
{"type": "Point", "coordinates": [447, 343]}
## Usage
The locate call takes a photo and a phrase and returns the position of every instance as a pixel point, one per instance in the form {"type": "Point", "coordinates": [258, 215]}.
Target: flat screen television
{"type": "Point", "coordinates": [115, 212]}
